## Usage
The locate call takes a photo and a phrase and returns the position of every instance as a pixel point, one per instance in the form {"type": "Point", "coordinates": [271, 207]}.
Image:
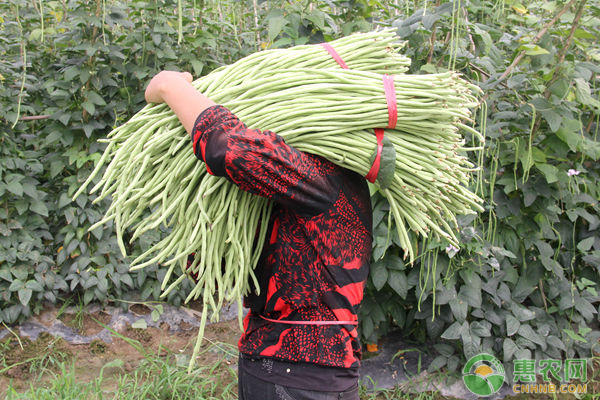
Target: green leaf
{"type": "Point", "coordinates": [393, 262]}
{"type": "Point", "coordinates": [471, 342]}
{"type": "Point", "coordinates": [544, 248]}
{"type": "Point", "coordinates": [453, 363]}
{"type": "Point", "coordinates": [541, 104]}
{"type": "Point", "coordinates": [102, 285]}
{"type": "Point", "coordinates": [276, 22]}
{"type": "Point", "coordinates": [70, 73]}
{"type": "Point", "coordinates": [586, 244]}
{"type": "Point", "coordinates": [30, 190]}
{"type": "Point", "coordinates": [5, 274]}
{"type": "Point", "coordinates": [379, 275]}
{"type": "Point", "coordinates": [584, 95]}
{"type": "Point", "coordinates": [471, 293]}
{"type": "Point", "coordinates": [16, 285]}
{"type": "Point", "coordinates": [528, 333]}
{"type": "Point", "coordinates": [509, 348]}
{"type": "Point", "coordinates": [88, 296]}
{"type": "Point", "coordinates": [522, 313]}
{"type": "Point", "coordinates": [570, 137]}
{"type": "Point", "coordinates": [550, 172]}
{"type": "Point", "coordinates": [560, 88]}
{"type": "Point", "coordinates": [317, 17]}
{"type": "Point", "coordinates": [437, 363]}
{"type": "Point", "coordinates": [429, 20]}
{"type": "Point", "coordinates": [98, 232]}
{"type": "Point", "coordinates": [367, 327]}
{"type": "Point", "coordinates": [380, 247]}
{"type": "Point", "coordinates": [574, 336]}
{"type": "Point", "coordinates": [197, 66]}
{"type": "Point", "coordinates": [512, 325]}
{"type": "Point", "coordinates": [93, 281]}
{"type": "Point", "coordinates": [556, 342]}
{"type": "Point", "coordinates": [4, 230]}
{"type": "Point", "coordinates": [553, 119]}
{"type": "Point", "coordinates": [533, 50]}
{"type": "Point", "coordinates": [34, 285]}
{"type": "Point", "coordinates": [444, 349]}
{"type": "Point", "coordinates": [585, 308]}
{"type": "Point", "coordinates": [39, 207]}
{"type": "Point", "coordinates": [95, 98]}
{"type": "Point", "coordinates": [89, 107]}
{"type": "Point", "coordinates": [25, 295]}
{"type": "Point", "coordinates": [21, 272]}
{"type": "Point", "coordinates": [444, 294]}
{"type": "Point", "coordinates": [15, 187]}
{"type": "Point", "coordinates": [453, 332]}
{"type": "Point", "coordinates": [459, 309]}
{"type": "Point", "coordinates": [581, 212]}
{"type": "Point", "coordinates": [503, 252]}
{"type": "Point", "coordinates": [398, 281]}
{"type": "Point", "coordinates": [552, 265]}
{"type": "Point", "coordinates": [64, 200]}
{"type": "Point", "coordinates": [56, 167]}
{"type": "Point", "coordinates": [483, 33]}
{"type": "Point", "coordinates": [481, 328]}
{"type": "Point", "coordinates": [126, 279]}
{"type": "Point", "coordinates": [385, 175]}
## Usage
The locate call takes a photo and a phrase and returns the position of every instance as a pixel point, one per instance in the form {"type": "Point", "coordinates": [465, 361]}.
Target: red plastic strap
{"type": "Point", "coordinates": [310, 322]}
{"type": "Point", "coordinates": [390, 96]}
{"type": "Point", "coordinates": [335, 55]}
{"type": "Point", "coordinates": [374, 171]}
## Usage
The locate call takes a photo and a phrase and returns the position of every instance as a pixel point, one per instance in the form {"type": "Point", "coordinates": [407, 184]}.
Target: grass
{"type": "Point", "coordinates": [162, 374]}
{"type": "Point", "coordinates": [77, 321]}
{"type": "Point", "coordinates": [155, 378]}
{"type": "Point", "coordinates": [165, 377]}
{"type": "Point", "coordinates": [160, 378]}
{"type": "Point", "coordinates": [62, 386]}
{"type": "Point", "coordinates": [45, 354]}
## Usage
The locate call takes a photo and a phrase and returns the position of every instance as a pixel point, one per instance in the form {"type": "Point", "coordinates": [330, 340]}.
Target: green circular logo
{"type": "Point", "coordinates": [483, 375]}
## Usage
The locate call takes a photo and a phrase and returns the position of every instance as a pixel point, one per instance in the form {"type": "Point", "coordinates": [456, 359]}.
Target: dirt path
{"type": "Point", "coordinates": [22, 360]}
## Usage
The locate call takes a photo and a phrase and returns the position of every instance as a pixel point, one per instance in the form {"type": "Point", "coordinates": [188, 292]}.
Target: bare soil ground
{"type": "Point", "coordinates": [22, 360]}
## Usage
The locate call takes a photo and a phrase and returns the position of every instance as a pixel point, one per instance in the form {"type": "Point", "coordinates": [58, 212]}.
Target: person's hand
{"type": "Point", "coordinates": [164, 81]}
{"type": "Point", "coordinates": [176, 90]}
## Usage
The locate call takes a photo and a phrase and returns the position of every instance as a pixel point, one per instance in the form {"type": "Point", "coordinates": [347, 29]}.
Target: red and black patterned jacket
{"type": "Point", "coordinates": [316, 259]}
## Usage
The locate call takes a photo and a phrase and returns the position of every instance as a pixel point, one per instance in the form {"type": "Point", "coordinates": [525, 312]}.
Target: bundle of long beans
{"type": "Point", "coordinates": [302, 95]}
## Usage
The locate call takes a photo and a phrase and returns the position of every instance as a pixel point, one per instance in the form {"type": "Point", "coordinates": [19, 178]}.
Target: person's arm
{"type": "Point", "coordinates": [175, 89]}
{"type": "Point", "coordinates": [262, 163]}
{"type": "Point", "coordinates": [259, 162]}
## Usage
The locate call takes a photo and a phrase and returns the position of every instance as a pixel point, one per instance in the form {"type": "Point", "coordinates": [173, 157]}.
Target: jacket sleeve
{"type": "Point", "coordinates": [260, 162]}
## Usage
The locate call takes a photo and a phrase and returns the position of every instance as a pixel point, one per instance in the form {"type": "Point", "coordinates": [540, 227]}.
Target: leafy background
{"type": "Point", "coordinates": [524, 283]}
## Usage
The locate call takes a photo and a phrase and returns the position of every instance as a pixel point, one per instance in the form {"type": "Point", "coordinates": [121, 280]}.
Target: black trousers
{"type": "Point", "coordinates": [252, 388]}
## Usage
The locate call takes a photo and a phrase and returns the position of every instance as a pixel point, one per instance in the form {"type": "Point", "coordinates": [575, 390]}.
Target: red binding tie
{"type": "Point", "coordinates": [390, 96]}
{"type": "Point", "coordinates": [282, 321]}
{"type": "Point", "coordinates": [335, 55]}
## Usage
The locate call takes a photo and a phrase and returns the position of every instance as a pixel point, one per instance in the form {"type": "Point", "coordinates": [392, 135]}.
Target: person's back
{"type": "Point", "coordinates": [300, 338]}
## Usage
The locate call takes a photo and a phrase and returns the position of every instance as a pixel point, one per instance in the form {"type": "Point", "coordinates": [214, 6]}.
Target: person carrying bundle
{"type": "Point", "coordinates": [300, 337]}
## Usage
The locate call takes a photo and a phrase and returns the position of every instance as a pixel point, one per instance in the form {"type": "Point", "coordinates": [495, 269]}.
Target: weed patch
{"type": "Point", "coordinates": [25, 358]}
